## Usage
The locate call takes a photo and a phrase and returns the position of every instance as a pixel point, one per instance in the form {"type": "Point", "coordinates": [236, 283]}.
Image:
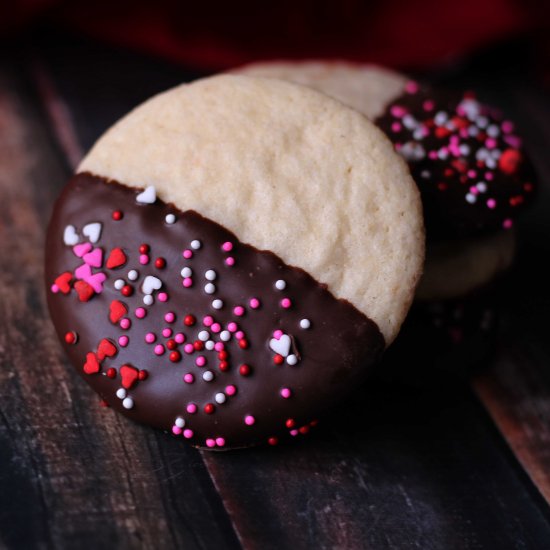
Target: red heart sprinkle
{"type": "Point", "coordinates": [117, 310]}
{"type": "Point", "coordinates": [106, 349]}
{"type": "Point", "coordinates": [85, 291]}
{"type": "Point", "coordinates": [116, 258]}
{"type": "Point", "coordinates": [129, 376]}
{"type": "Point", "coordinates": [63, 282]}
{"type": "Point", "coordinates": [92, 364]}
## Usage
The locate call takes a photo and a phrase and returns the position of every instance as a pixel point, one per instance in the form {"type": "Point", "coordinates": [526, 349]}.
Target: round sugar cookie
{"type": "Point", "coordinates": [232, 257]}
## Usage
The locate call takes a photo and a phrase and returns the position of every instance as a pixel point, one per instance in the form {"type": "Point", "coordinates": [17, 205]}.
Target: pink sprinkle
{"type": "Point", "coordinates": [230, 390]}
{"type": "Point", "coordinates": [159, 349]}
{"type": "Point", "coordinates": [188, 434]}
{"type": "Point", "coordinates": [141, 312]}
{"type": "Point", "coordinates": [232, 327]}
{"type": "Point", "coordinates": [238, 310]}
{"type": "Point", "coordinates": [187, 282]}
{"type": "Point", "coordinates": [162, 297]}
{"type": "Point", "coordinates": [220, 441]}
{"type": "Point", "coordinates": [286, 303]}
{"type": "Point", "coordinates": [286, 393]}
{"type": "Point", "coordinates": [428, 105]}
{"type": "Point", "coordinates": [489, 176]}
{"type": "Point", "coordinates": [397, 111]}
{"type": "Point", "coordinates": [187, 254]}
{"type": "Point", "coordinates": [474, 190]}
{"type": "Point", "coordinates": [249, 420]}
{"type": "Point", "coordinates": [471, 173]}
{"type": "Point", "coordinates": [507, 223]}
{"type": "Point", "coordinates": [208, 320]}
{"type": "Point", "coordinates": [396, 127]}
{"type": "Point", "coordinates": [188, 348]}
{"type": "Point", "coordinates": [54, 288]}
{"type": "Point", "coordinates": [293, 433]}
{"type": "Point", "coordinates": [507, 126]}
{"type": "Point", "coordinates": [216, 327]}
{"type": "Point", "coordinates": [227, 246]}
{"type": "Point", "coordinates": [432, 155]}
{"type": "Point", "coordinates": [188, 378]}
{"type": "Point", "coordinates": [191, 408]}
{"type": "Point", "coordinates": [150, 337]}
{"type": "Point", "coordinates": [219, 346]}
{"type": "Point", "coordinates": [239, 334]}
{"type": "Point", "coordinates": [254, 303]}
{"type": "Point", "coordinates": [277, 334]}
{"type": "Point", "coordinates": [490, 143]}
{"type": "Point", "coordinates": [167, 332]}
{"type": "Point", "coordinates": [411, 87]}
{"type": "Point", "coordinates": [170, 317]}
{"type": "Point", "coordinates": [200, 361]}
{"type": "Point", "coordinates": [230, 261]}
{"type": "Point", "coordinates": [123, 341]}
{"type": "Point", "coordinates": [179, 338]}
{"type": "Point", "coordinates": [176, 430]}
{"type": "Point", "coordinates": [125, 323]}
{"type": "Point", "coordinates": [210, 442]}
{"type": "Point", "coordinates": [491, 203]}
{"type": "Point", "coordinates": [143, 259]}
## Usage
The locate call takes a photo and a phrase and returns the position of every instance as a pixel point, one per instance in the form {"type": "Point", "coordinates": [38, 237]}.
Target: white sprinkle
{"type": "Point", "coordinates": [121, 393]}
{"type": "Point", "coordinates": [133, 275]}
{"type": "Point", "coordinates": [148, 300]}
{"type": "Point", "coordinates": [425, 174]}
{"type": "Point", "coordinates": [204, 335]}
{"type": "Point", "coordinates": [280, 284]}
{"type": "Point", "coordinates": [418, 134]}
{"type": "Point", "coordinates": [305, 323]}
{"type": "Point", "coordinates": [442, 154]}
{"type": "Point", "coordinates": [409, 122]}
{"type": "Point", "coordinates": [119, 283]}
{"type": "Point", "coordinates": [128, 403]}
{"type": "Point", "coordinates": [493, 131]}
{"type": "Point", "coordinates": [220, 398]}
{"type": "Point", "coordinates": [170, 219]}
{"type": "Point", "coordinates": [217, 304]}
{"type": "Point", "coordinates": [180, 422]}
{"type": "Point", "coordinates": [440, 118]}
{"type": "Point", "coordinates": [292, 359]}
{"type": "Point", "coordinates": [482, 121]}
{"type": "Point", "coordinates": [210, 275]}
{"type": "Point", "coordinates": [208, 376]}
{"type": "Point", "coordinates": [471, 198]}
{"type": "Point", "coordinates": [490, 163]}
{"type": "Point", "coordinates": [209, 288]}
{"type": "Point", "coordinates": [148, 196]}
{"type": "Point", "coordinates": [186, 272]}
{"type": "Point", "coordinates": [195, 245]}
{"type": "Point", "coordinates": [209, 345]}
{"type": "Point", "coordinates": [481, 186]}
{"type": "Point", "coordinates": [225, 335]}
{"type": "Point", "coordinates": [473, 131]}
{"type": "Point", "coordinates": [464, 149]}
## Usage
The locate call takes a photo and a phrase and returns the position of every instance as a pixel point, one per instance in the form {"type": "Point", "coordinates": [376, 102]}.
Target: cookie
{"type": "Point", "coordinates": [468, 162]}
{"type": "Point", "coordinates": [231, 259]}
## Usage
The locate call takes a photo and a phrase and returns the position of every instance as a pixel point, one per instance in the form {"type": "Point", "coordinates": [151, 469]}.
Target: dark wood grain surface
{"type": "Point", "coordinates": [454, 465]}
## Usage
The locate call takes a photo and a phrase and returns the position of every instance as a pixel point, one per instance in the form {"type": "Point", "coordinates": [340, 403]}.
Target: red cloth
{"type": "Point", "coordinates": [221, 34]}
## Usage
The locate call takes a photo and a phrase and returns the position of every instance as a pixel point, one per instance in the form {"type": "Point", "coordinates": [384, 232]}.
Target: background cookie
{"type": "Point", "coordinates": [248, 249]}
{"type": "Point", "coordinates": [468, 163]}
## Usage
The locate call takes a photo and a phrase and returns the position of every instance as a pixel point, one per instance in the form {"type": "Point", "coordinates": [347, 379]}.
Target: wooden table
{"type": "Point", "coordinates": [459, 464]}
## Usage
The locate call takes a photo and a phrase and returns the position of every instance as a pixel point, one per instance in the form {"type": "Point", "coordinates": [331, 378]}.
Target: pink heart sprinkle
{"type": "Point", "coordinates": [96, 281]}
{"type": "Point", "coordinates": [94, 258]}
{"type": "Point", "coordinates": [81, 249]}
{"type": "Point", "coordinates": [83, 272]}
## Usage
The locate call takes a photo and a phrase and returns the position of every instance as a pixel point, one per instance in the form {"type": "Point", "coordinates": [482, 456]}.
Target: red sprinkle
{"type": "Point", "coordinates": [127, 290]}
{"type": "Point", "coordinates": [160, 263]}
{"type": "Point", "coordinates": [278, 359]}
{"type": "Point", "coordinates": [209, 408]}
{"type": "Point", "coordinates": [189, 320]}
{"type": "Point", "coordinates": [117, 215]}
{"type": "Point", "coordinates": [111, 372]}
{"type": "Point", "coordinates": [244, 370]}
{"type": "Point", "coordinates": [198, 345]}
{"type": "Point", "coordinates": [143, 374]}
{"type": "Point", "coordinates": [144, 249]}
{"type": "Point", "coordinates": [171, 344]}
{"type": "Point", "coordinates": [273, 441]}
{"type": "Point", "coordinates": [243, 343]}
{"type": "Point", "coordinates": [290, 423]}
{"type": "Point", "coordinates": [174, 356]}
{"type": "Point", "coordinates": [223, 366]}
{"type": "Point", "coordinates": [70, 337]}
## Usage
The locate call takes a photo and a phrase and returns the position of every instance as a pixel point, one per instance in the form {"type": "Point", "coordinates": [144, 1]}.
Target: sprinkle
{"type": "Point", "coordinates": [150, 337]}
{"type": "Point", "coordinates": [232, 327]}
{"type": "Point", "coordinates": [187, 282]}
{"type": "Point", "coordinates": [491, 203]}
{"type": "Point", "coordinates": [159, 349]}
{"type": "Point", "coordinates": [119, 283]}
{"type": "Point", "coordinates": [209, 408]}
{"type": "Point", "coordinates": [204, 335]}
{"type": "Point", "coordinates": [188, 348]}
{"type": "Point", "coordinates": [121, 393]}
{"type": "Point", "coordinates": [208, 320]}
{"type": "Point", "coordinates": [160, 263]}
{"type": "Point", "coordinates": [230, 261]}
{"type": "Point", "coordinates": [187, 254]}
{"type": "Point", "coordinates": [280, 284]}
{"type": "Point", "coordinates": [249, 420]}
{"type": "Point", "coordinates": [209, 345]}
{"type": "Point", "coordinates": [200, 361]}
{"type": "Point", "coordinates": [210, 275]}
{"type": "Point", "coordinates": [143, 259]}
{"type": "Point", "coordinates": [210, 442]}
{"type": "Point", "coordinates": [507, 223]}
{"type": "Point", "coordinates": [128, 403]}
{"type": "Point", "coordinates": [148, 300]}
{"type": "Point", "coordinates": [220, 398]}
{"type": "Point", "coordinates": [188, 378]}
{"type": "Point", "coordinates": [123, 341]}
{"type": "Point", "coordinates": [162, 296]}
{"type": "Point", "coordinates": [225, 335]}
{"type": "Point", "coordinates": [292, 359]}
{"type": "Point", "coordinates": [170, 219]}
{"type": "Point", "coordinates": [141, 312]}
{"type": "Point", "coordinates": [220, 441]}
{"type": "Point", "coordinates": [176, 430]}
{"type": "Point", "coordinates": [238, 310]}
{"type": "Point", "coordinates": [217, 304]}
{"type": "Point", "coordinates": [254, 303]}
{"type": "Point", "coordinates": [305, 323]}
{"type": "Point", "coordinates": [117, 215]}
{"type": "Point", "coordinates": [216, 327]}
{"type": "Point", "coordinates": [191, 408]}
{"type": "Point", "coordinates": [196, 244]}
{"type": "Point", "coordinates": [471, 198]}
{"type": "Point", "coordinates": [125, 323]}
{"type": "Point", "coordinates": [179, 338]}
{"type": "Point", "coordinates": [230, 390]}
{"type": "Point", "coordinates": [170, 317]}
{"type": "Point", "coordinates": [227, 246]}
{"type": "Point", "coordinates": [244, 370]}
{"type": "Point", "coordinates": [209, 288]}
{"type": "Point", "coordinates": [208, 376]}
{"type": "Point", "coordinates": [147, 196]}
{"type": "Point", "coordinates": [189, 320]}
{"type": "Point", "coordinates": [188, 434]}
{"type": "Point", "coordinates": [286, 393]}
{"type": "Point", "coordinates": [286, 303]}
{"type": "Point", "coordinates": [167, 332]}
{"type": "Point", "coordinates": [133, 275]}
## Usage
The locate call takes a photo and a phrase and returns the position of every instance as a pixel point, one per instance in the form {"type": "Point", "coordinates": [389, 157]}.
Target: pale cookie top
{"type": "Point", "coordinates": [287, 169]}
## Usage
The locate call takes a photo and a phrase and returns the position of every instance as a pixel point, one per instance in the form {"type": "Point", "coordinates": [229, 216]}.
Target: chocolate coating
{"type": "Point", "coordinates": [468, 163]}
{"type": "Point", "coordinates": [334, 354]}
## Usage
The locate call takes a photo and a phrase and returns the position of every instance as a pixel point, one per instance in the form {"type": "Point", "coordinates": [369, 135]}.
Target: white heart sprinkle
{"type": "Point", "coordinates": [281, 346]}
{"type": "Point", "coordinates": [92, 231]}
{"type": "Point", "coordinates": [70, 236]}
{"type": "Point", "coordinates": [148, 196]}
{"type": "Point", "coordinates": [150, 284]}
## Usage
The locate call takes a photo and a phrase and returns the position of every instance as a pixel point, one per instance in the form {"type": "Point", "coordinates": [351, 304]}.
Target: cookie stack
{"type": "Point", "coordinates": [232, 258]}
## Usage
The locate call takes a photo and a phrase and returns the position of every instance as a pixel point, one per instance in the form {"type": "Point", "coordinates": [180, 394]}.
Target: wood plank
{"type": "Point", "coordinates": [73, 474]}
